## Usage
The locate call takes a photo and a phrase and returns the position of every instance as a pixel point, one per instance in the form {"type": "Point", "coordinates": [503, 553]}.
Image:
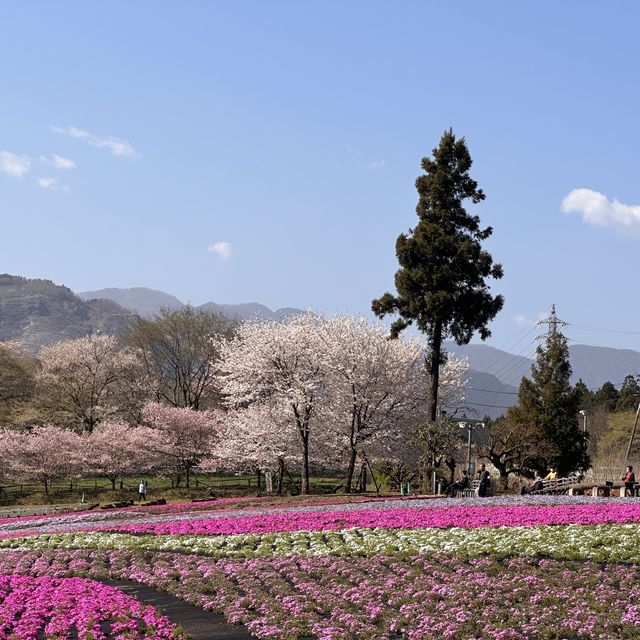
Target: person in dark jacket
{"type": "Point", "coordinates": [459, 485]}
{"type": "Point", "coordinates": [484, 484]}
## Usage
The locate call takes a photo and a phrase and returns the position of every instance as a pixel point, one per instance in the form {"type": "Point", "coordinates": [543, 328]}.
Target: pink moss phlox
{"type": "Point", "coordinates": [54, 607]}
{"type": "Point", "coordinates": [463, 517]}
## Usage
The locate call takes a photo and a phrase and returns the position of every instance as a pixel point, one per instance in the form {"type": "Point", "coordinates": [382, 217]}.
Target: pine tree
{"type": "Point", "coordinates": [629, 394]}
{"type": "Point", "coordinates": [606, 396]}
{"type": "Point", "coordinates": [550, 404]}
{"type": "Point", "coordinates": [441, 281]}
{"type": "Point", "coordinates": [586, 395]}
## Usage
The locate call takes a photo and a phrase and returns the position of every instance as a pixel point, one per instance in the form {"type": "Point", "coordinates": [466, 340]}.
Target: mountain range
{"type": "Point", "coordinates": [148, 302]}
{"type": "Point", "coordinates": [38, 312]}
{"type": "Point", "coordinates": [494, 374]}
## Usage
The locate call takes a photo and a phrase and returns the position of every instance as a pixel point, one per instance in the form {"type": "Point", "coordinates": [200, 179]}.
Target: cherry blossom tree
{"type": "Point", "coordinates": [416, 444]}
{"type": "Point", "coordinates": [261, 437]}
{"type": "Point", "coordinates": [117, 450]}
{"type": "Point", "coordinates": [278, 363]}
{"type": "Point", "coordinates": [45, 453]}
{"type": "Point", "coordinates": [371, 383]}
{"type": "Point", "coordinates": [180, 434]}
{"type": "Point", "coordinates": [90, 380]}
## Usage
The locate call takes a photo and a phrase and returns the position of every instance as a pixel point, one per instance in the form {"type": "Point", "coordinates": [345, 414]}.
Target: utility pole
{"type": "Point", "coordinates": [553, 322]}
{"type": "Point", "coordinates": [633, 433]}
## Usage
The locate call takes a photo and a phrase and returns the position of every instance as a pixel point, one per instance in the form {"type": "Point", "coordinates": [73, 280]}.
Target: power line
{"type": "Point", "coordinates": [513, 376]}
{"type": "Point", "coordinates": [515, 393]}
{"type": "Point", "coordinates": [507, 351]}
{"type": "Point", "coordinates": [582, 326]}
{"type": "Point", "coordinates": [514, 363]}
{"type": "Point", "coordinates": [492, 406]}
{"type": "Point", "coordinates": [507, 393]}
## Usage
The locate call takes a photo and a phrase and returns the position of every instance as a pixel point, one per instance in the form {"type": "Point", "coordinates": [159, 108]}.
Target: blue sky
{"type": "Point", "coordinates": [267, 151]}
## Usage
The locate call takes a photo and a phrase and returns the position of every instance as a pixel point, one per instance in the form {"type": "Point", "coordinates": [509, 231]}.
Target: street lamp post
{"type": "Point", "coordinates": [469, 429]}
{"type": "Point", "coordinates": [470, 426]}
{"type": "Point", "coordinates": [583, 413]}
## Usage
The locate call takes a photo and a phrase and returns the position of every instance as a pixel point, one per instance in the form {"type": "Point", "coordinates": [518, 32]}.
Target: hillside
{"type": "Point", "coordinates": [594, 365]}
{"type": "Point", "coordinates": [487, 396]}
{"type": "Point", "coordinates": [38, 312]}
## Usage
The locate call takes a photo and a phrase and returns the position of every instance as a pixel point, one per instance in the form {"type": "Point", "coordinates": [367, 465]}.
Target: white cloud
{"type": "Point", "coordinates": [221, 249]}
{"type": "Point", "coordinates": [116, 146]}
{"type": "Point", "coordinates": [58, 162]}
{"type": "Point", "coordinates": [13, 165]}
{"type": "Point", "coordinates": [522, 320]}
{"type": "Point", "coordinates": [376, 164]}
{"type": "Point", "coordinates": [597, 210]}
{"type": "Point", "coordinates": [53, 184]}
{"type": "Point", "coordinates": [362, 161]}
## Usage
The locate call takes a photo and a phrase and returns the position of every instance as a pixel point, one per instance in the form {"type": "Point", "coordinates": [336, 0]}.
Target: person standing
{"type": "Point", "coordinates": [142, 490]}
{"type": "Point", "coordinates": [629, 480]}
{"type": "Point", "coordinates": [484, 482]}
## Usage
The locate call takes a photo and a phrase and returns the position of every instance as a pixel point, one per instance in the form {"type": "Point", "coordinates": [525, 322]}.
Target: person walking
{"type": "Point", "coordinates": [629, 480]}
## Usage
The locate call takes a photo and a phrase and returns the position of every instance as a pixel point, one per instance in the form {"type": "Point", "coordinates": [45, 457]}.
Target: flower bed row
{"type": "Point", "coordinates": [380, 598]}
{"type": "Point", "coordinates": [242, 515]}
{"type": "Point", "coordinates": [466, 517]}
{"type": "Point", "coordinates": [60, 608]}
{"type": "Point", "coordinates": [605, 543]}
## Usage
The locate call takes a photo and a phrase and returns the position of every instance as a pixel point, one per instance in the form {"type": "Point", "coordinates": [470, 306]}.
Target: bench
{"type": "Point", "coordinates": [472, 491]}
{"type": "Point", "coordinates": [557, 486]}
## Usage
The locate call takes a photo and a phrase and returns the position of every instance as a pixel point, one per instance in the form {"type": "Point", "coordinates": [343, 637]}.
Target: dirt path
{"type": "Point", "coordinates": [199, 624]}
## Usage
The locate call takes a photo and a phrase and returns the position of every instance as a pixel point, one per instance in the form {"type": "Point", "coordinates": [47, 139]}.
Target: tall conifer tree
{"type": "Point", "coordinates": [441, 281]}
{"type": "Point", "coordinates": [550, 404]}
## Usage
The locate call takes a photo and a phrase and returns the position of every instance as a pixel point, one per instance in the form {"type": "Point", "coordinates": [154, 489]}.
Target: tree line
{"type": "Point", "coordinates": [191, 389]}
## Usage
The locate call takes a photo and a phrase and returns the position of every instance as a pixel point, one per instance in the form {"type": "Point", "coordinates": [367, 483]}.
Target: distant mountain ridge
{"type": "Point", "coordinates": [38, 312]}
{"type": "Point", "coordinates": [145, 302]}
{"type": "Point", "coordinates": [594, 365]}
{"type": "Point", "coordinates": [485, 395]}
{"type": "Point", "coordinates": [148, 302]}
